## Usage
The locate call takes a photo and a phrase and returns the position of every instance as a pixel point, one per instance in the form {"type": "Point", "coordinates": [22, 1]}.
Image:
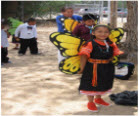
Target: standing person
{"type": "Point", "coordinates": [4, 45]}
{"type": "Point", "coordinates": [96, 66]}
{"type": "Point", "coordinates": [70, 14]}
{"type": "Point", "coordinates": [58, 19]}
{"type": "Point", "coordinates": [60, 28]}
{"type": "Point", "coordinates": [28, 37]}
{"type": "Point", "coordinates": [85, 30]}
{"type": "Point", "coordinates": [66, 13]}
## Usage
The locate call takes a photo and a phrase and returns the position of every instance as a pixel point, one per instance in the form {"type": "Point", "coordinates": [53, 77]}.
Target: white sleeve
{"type": "Point", "coordinates": [17, 31]}
{"type": "Point", "coordinates": [35, 32]}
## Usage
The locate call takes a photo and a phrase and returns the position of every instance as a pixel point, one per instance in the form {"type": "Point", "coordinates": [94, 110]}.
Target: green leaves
{"type": "Point", "coordinates": [44, 8]}
{"type": "Point", "coordinates": [14, 23]}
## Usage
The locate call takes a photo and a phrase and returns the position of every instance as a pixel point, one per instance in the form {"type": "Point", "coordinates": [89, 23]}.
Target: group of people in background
{"type": "Point", "coordinates": [25, 35]}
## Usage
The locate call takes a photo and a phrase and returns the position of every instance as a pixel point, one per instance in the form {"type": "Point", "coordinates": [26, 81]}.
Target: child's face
{"type": "Point", "coordinates": [65, 14]}
{"type": "Point", "coordinates": [89, 22]}
{"type": "Point", "coordinates": [101, 33]}
{"type": "Point", "coordinates": [69, 12]}
{"type": "Point", "coordinates": [32, 23]}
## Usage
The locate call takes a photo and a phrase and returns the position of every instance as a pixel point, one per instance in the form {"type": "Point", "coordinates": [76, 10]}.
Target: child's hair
{"type": "Point", "coordinates": [95, 28]}
{"type": "Point", "coordinates": [63, 9]}
{"type": "Point", "coordinates": [67, 8]}
{"type": "Point", "coordinates": [31, 20]}
{"type": "Point", "coordinates": [88, 17]}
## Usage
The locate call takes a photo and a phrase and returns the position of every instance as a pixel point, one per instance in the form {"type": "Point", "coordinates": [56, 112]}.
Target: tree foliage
{"type": "Point", "coordinates": [44, 8]}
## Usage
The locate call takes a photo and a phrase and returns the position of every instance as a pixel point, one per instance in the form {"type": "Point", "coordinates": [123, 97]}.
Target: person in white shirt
{"type": "Point", "coordinates": [28, 37]}
{"type": "Point", "coordinates": [4, 45]}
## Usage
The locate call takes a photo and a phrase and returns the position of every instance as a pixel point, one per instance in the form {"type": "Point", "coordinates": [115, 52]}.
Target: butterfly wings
{"type": "Point", "coordinates": [116, 35]}
{"type": "Point", "coordinates": [70, 65]}
{"type": "Point", "coordinates": [68, 44]}
{"type": "Point", "coordinates": [69, 24]}
{"type": "Point", "coordinates": [69, 47]}
{"type": "Point", "coordinates": [14, 24]}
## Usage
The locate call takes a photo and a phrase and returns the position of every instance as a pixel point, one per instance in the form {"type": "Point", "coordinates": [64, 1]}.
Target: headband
{"type": "Point", "coordinates": [101, 26]}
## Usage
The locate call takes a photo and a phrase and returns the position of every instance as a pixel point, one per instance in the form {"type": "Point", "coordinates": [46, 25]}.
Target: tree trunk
{"type": "Point", "coordinates": [20, 11]}
{"type": "Point", "coordinates": [132, 34]}
{"type": "Point", "coordinates": [113, 15]}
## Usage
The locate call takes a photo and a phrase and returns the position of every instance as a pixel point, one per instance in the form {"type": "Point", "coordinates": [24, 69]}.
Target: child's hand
{"type": "Point", "coordinates": [80, 72]}
{"type": "Point", "coordinates": [17, 39]}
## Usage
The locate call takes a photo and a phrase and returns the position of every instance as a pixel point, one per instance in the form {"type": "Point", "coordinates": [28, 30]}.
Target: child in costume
{"type": "Point", "coordinates": [58, 21]}
{"type": "Point", "coordinates": [60, 28]}
{"type": "Point", "coordinates": [28, 37]}
{"type": "Point", "coordinates": [70, 14]}
{"type": "Point", "coordinates": [96, 66]}
{"type": "Point", "coordinates": [4, 45]}
{"type": "Point", "coordinates": [85, 30]}
{"type": "Point", "coordinates": [66, 13]}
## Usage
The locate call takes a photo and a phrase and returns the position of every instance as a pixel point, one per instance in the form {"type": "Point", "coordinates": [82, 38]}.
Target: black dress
{"type": "Point", "coordinates": [105, 72]}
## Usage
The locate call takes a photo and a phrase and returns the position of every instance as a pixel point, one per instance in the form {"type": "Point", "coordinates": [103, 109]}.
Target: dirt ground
{"type": "Point", "coordinates": [33, 85]}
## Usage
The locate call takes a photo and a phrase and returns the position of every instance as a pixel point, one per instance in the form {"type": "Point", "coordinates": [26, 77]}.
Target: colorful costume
{"type": "Point", "coordinates": [98, 74]}
{"type": "Point", "coordinates": [69, 47]}
{"type": "Point", "coordinates": [63, 21]}
{"type": "Point", "coordinates": [66, 25]}
{"type": "Point", "coordinates": [82, 31]}
{"type": "Point", "coordinates": [59, 24]}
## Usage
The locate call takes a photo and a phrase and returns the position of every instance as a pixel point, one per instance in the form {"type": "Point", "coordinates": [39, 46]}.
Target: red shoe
{"type": "Point", "coordinates": [101, 102]}
{"type": "Point", "coordinates": [92, 107]}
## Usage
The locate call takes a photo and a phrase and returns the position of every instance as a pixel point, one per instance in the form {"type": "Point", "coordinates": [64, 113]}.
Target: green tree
{"type": "Point", "coordinates": [44, 8]}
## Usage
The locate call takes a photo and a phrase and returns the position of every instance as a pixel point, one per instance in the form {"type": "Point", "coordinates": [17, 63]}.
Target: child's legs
{"type": "Point", "coordinates": [98, 96]}
{"type": "Point", "coordinates": [4, 54]}
{"type": "Point", "coordinates": [23, 45]}
{"type": "Point", "coordinates": [90, 98]}
{"type": "Point", "coordinates": [33, 46]}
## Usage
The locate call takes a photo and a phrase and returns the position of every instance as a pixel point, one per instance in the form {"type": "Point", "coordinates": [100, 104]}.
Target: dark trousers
{"type": "Point", "coordinates": [31, 43]}
{"type": "Point", "coordinates": [4, 53]}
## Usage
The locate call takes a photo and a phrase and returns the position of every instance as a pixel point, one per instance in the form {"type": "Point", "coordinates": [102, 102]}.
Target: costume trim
{"type": "Point", "coordinates": [93, 93]}
{"type": "Point", "coordinates": [95, 62]}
